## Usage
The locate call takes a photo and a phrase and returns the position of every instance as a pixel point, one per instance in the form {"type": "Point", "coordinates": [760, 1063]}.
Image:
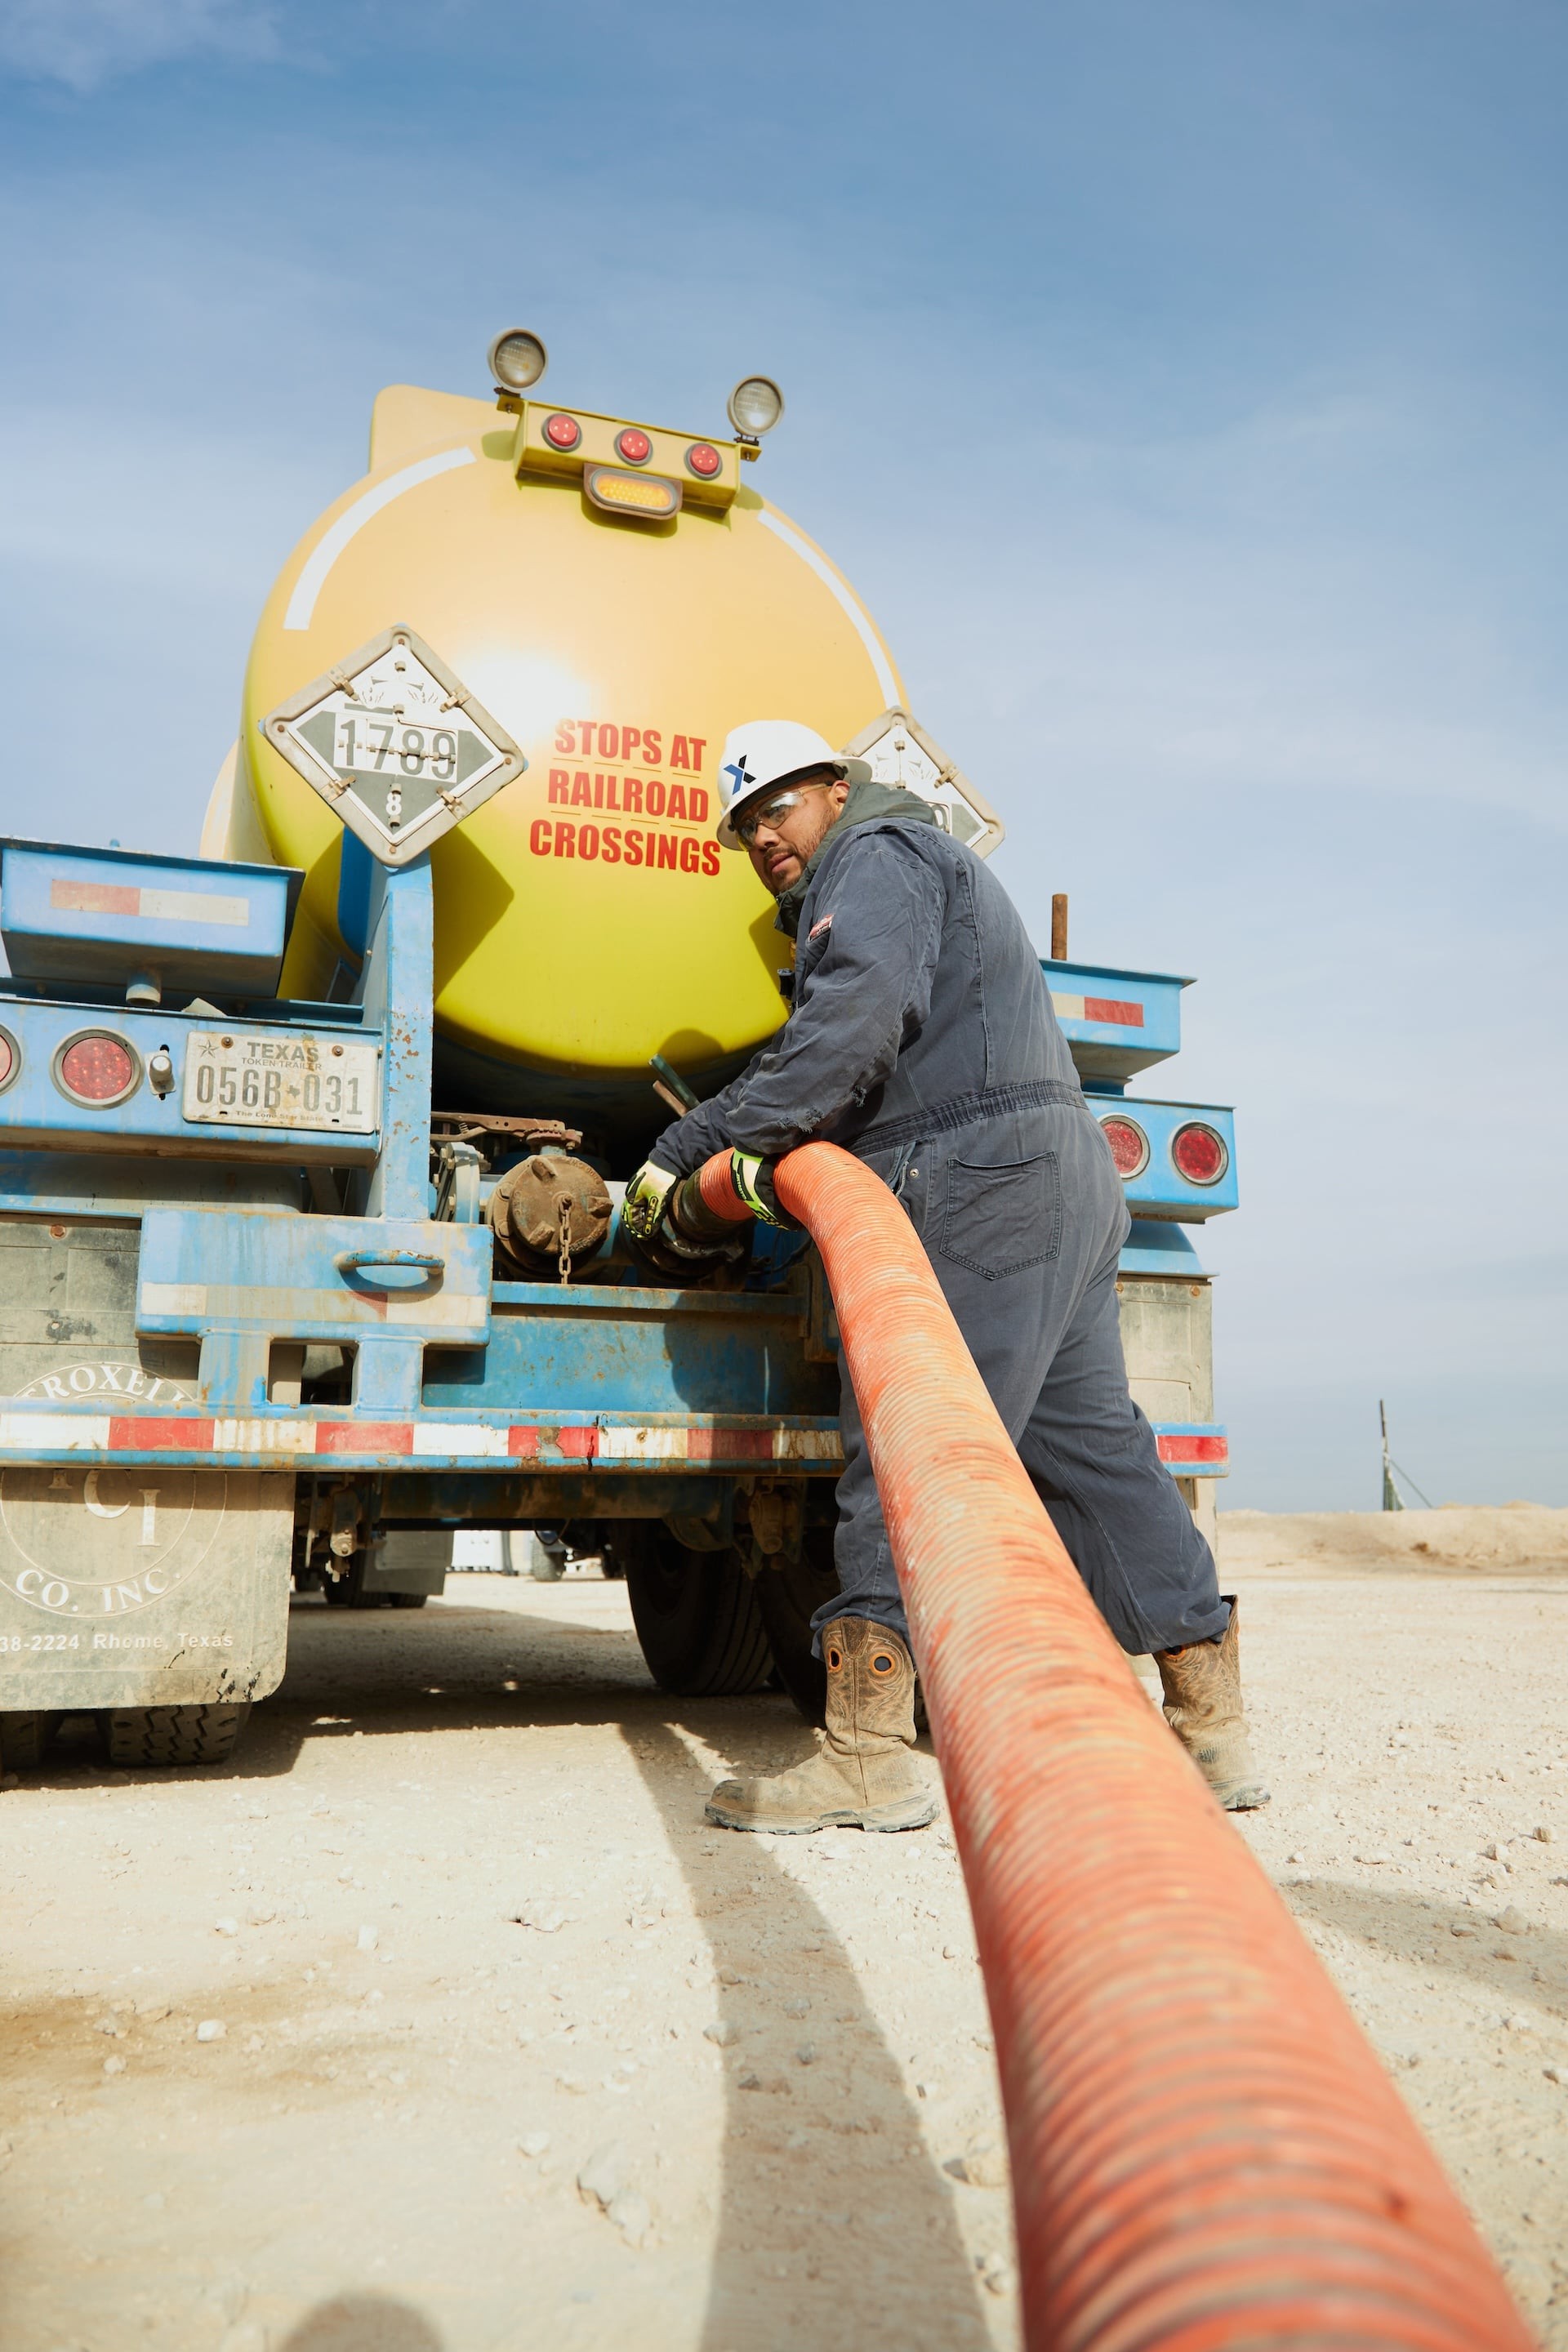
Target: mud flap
{"type": "Point", "coordinates": [144, 1586]}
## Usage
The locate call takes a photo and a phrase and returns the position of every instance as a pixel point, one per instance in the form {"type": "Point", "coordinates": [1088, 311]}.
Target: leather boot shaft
{"type": "Point", "coordinates": [864, 1775]}
{"type": "Point", "coordinates": [1203, 1708]}
{"type": "Point", "coordinates": [870, 1688]}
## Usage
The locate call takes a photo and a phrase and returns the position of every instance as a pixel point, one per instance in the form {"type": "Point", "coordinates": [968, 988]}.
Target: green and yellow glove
{"type": "Point", "coordinates": [753, 1181]}
{"type": "Point", "coordinates": [647, 1197]}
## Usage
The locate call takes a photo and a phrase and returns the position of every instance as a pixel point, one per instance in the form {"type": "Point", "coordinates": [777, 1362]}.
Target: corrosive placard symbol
{"type": "Point", "coordinates": [394, 742]}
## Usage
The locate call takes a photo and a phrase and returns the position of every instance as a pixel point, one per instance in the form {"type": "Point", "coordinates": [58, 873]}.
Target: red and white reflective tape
{"type": "Point", "coordinates": [1193, 1453]}
{"type": "Point", "coordinates": [303, 1438]}
{"type": "Point", "coordinates": [29, 1433]}
{"type": "Point", "coordinates": [1114, 1012]}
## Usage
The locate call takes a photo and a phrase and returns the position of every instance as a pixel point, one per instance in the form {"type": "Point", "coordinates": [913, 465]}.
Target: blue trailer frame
{"type": "Point", "coordinates": [459, 1399]}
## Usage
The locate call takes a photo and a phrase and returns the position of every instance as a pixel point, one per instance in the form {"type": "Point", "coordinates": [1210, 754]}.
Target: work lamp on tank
{"type": "Point", "coordinates": [517, 359]}
{"type": "Point", "coordinates": [755, 407]}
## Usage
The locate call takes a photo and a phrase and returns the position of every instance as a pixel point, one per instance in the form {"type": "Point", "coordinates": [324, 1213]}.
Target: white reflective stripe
{"type": "Point", "coordinates": [448, 1307]}
{"type": "Point", "coordinates": [330, 546]}
{"type": "Point", "coordinates": [226, 1304]}
{"type": "Point", "coordinates": [469, 1437]}
{"type": "Point", "coordinates": [642, 1445]}
{"type": "Point", "coordinates": [264, 1437]}
{"type": "Point", "coordinates": [196, 907]}
{"type": "Point", "coordinates": [806, 1445]}
{"type": "Point", "coordinates": [1066, 1008]}
{"type": "Point", "coordinates": [174, 1297]}
{"type": "Point", "coordinates": [55, 1433]}
{"type": "Point", "coordinates": [846, 596]}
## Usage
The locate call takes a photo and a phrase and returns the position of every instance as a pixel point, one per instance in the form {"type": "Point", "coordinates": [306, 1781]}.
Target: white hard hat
{"type": "Point", "coordinates": [765, 753]}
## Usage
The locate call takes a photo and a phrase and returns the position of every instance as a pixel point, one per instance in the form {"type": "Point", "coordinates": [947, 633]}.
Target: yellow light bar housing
{"type": "Point", "coordinates": [534, 456]}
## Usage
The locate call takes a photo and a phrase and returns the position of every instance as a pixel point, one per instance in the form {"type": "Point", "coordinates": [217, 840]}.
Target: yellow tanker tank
{"type": "Point", "coordinates": [585, 918]}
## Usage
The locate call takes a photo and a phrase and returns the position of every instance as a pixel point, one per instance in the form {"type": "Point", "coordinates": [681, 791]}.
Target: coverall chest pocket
{"type": "Point", "coordinates": [997, 1218]}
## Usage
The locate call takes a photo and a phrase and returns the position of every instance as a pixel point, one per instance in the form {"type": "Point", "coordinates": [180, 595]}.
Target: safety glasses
{"type": "Point", "coordinates": [770, 812]}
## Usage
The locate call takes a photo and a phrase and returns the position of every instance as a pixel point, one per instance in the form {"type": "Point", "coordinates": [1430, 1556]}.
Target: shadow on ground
{"type": "Point", "coordinates": [835, 2227]}
{"type": "Point", "coordinates": [1415, 1928]}
{"type": "Point", "coordinates": [869, 2227]}
{"type": "Point", "coordinates": [363, 2322]}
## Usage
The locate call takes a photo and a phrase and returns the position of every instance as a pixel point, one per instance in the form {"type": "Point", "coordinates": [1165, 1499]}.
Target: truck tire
{"type": "Point", "coordinates": [787, 1595]}
{"type": "Point", "coordinates": [408, 1599]}
{"type": "Point", "coordinates": [173, 1735]}
{"type": "Point", "coordinates": [347, 1592]}
{"type": "Point", "coordinates": [696, 1617]}
{"type": "Point", "coordinates": [528, 1554]}
{"type": "Point", "coordinates": [25, 1739]}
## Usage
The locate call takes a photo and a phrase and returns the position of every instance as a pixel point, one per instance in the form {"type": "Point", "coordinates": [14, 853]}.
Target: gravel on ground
{"type": "Point", "coordinates": [440, 2021]}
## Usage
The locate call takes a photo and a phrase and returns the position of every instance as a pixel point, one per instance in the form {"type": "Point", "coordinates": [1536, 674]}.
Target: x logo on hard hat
{"type": "Point", "coordinates": [742, 774]}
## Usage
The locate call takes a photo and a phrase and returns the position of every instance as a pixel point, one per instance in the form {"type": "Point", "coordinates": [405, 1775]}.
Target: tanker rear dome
{"type": "Point", "coordinates": [587, 917]}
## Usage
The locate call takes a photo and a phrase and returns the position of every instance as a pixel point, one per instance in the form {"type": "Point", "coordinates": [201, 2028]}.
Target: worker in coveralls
{"type": "Point", "coordinates": [922, 1039]}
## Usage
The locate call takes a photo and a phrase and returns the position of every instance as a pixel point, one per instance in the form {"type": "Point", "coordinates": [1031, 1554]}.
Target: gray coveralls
{"type": "Point", "coordinates": [922, 1039]}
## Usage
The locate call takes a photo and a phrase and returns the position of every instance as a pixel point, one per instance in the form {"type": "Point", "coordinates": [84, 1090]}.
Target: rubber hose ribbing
{"type": "Point", "coordinates": [716, 1182]}
{"type": "Point", "coordinates": [1206, 2152]}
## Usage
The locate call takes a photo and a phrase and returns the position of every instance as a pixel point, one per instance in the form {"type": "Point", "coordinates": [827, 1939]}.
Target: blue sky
{"type": "Point", "coordinates": [1182, 382]}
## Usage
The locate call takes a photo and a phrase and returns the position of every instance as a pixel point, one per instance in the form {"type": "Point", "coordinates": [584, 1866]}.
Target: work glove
{"type": "Point", "coordinates": [753, 1181]}
{"type": "Point", "coordinates": [647, 1197]}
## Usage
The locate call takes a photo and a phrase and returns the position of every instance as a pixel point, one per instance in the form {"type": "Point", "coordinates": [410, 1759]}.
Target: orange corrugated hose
{"type": "Point", "coordinates": [1206, 2152]}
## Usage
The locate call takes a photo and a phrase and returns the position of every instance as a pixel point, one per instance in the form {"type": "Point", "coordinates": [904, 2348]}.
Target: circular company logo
{"type": "Point", "coordinates": [101, 1542]}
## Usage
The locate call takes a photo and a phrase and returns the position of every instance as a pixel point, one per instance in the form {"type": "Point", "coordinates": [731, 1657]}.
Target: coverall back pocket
{"type": "Point", "coordinates": [997, 1219]}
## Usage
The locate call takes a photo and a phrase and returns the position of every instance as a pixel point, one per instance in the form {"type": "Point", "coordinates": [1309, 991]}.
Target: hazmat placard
{"type": "Point", "coordinates": [396, 744]}
{"type": "Point", "coordinates": [901, 754]}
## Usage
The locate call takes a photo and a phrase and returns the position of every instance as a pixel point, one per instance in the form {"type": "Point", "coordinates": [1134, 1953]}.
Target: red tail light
{"type": "Point", "coordinates": [1129, 1145]}
{"type": "Point", "coordinates": [7, 1059]}
{"type": "Point", "coordinates": [633, 446]}
{"type": "Point", "coordinates": [96, 1068]}
{"type": "Point", "coordinates": [563, 432]}
{"type": "Point", "coordinates": [704, 460]}
{"type": "Point", "coordinates": [1198, 1153]}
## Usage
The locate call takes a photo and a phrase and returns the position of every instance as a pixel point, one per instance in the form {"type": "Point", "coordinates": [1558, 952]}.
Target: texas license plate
{"type": "Point", "coordinates": [237, 1080]}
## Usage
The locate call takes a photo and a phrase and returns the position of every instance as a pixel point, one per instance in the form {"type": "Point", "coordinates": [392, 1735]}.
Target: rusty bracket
{"type": "Point", "coordinates": [486, 1128]}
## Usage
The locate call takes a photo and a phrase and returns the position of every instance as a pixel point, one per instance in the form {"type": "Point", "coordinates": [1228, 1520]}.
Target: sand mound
{"type": "Point", "coordinates": [1496, 1539]}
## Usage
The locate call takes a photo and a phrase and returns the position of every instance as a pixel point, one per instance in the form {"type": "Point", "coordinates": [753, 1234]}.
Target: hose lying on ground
{"type": "Point", "coordinates": [1206, 2152]}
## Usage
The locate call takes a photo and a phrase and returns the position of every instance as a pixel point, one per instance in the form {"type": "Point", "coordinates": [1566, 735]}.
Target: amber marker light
{"type": "Point", "coordinates": [650, 497]}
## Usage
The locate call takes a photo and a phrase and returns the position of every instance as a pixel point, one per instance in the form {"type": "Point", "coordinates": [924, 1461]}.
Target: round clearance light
{"type": "Point", "coordinates": [10, 1059]}
{"type": "Point", "coordinates": [1199, 1154]}
{"type": "Point", "coordinates": [96, 1067]}
{"type": "Point", "coordinates": [563, 432]}
{"type": "Point", "coordinates": [1129, 1145]}
{"type": "Point", "coordinates": [704, 460]}
{"type": "Point", "coordinates": [517, 359]}
{"type": "Point", "coordinates": [633, 446]}
{"type": "Point", "coordinates": [756, 404]}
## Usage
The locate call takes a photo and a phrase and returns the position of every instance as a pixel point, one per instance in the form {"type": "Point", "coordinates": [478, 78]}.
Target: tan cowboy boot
{"type": "Point", "coordinates": [863, 1776]}
{"type": "Point", "coordinates": [1203, 1708]}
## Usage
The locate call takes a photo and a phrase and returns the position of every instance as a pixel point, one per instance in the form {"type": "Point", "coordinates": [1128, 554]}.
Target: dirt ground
{"type": "Point", "coordinates": [312, 2054]}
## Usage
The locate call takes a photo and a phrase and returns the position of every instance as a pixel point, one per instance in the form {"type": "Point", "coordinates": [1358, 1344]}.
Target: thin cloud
{"type": "Point", "coordinates": [86, 43]}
